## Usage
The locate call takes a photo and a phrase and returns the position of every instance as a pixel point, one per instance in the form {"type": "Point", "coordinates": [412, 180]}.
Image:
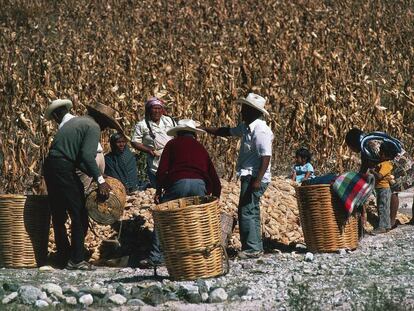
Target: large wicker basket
{"type": "Point", "coordinates": [24, 230]}
{"type": "Point", "coordinates": [325, 223]}
{"type": "Point", "coordinates": [190, 234]}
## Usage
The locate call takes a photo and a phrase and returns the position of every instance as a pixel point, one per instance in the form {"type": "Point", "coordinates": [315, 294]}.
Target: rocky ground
{"type": "Point", "coordinates": [377, 276]}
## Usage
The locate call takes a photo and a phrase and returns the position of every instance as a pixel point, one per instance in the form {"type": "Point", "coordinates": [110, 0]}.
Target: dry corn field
{"type": "Point", "coordinates": [323, 65]}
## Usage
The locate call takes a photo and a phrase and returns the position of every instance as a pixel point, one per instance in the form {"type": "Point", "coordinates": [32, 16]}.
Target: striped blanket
{"type": "Point", "coordinates": [353, 189]}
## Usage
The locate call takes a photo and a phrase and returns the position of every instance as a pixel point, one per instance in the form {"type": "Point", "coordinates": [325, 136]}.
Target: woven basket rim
{"type": "Point", "coordinates": [159, 208]}
{"type": "Point", "coordinates": [314, 186]}
{"type": "Point", "coordinates": [12, 196]}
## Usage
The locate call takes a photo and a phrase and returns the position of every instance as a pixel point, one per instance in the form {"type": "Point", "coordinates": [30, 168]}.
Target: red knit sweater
{"type": "Point", "coordinates": [185, 158]}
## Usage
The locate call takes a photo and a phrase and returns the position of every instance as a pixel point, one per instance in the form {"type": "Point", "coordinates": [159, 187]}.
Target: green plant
{"type": "Point", "coordinates": [301, 298]}
{"type": "Point", "coordinates": [377, 299]}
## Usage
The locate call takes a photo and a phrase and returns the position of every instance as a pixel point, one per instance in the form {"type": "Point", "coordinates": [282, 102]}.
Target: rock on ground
{"type": "Point", "coordinates": [86, 300]}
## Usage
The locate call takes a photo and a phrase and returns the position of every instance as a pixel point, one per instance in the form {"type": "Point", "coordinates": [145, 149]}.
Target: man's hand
{"type": "Point", "coordinates": [103, 191]}
{"type": "Point", "coordinates": [157, 198]}
{"type": "Point", "coordinates": [255, 184]}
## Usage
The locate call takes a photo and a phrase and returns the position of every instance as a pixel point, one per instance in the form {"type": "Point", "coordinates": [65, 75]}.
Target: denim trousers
{"type": "Point", "coordinates": [249, 216]}
{"type": "Point", "coordinates": [180, 189]}
{"type": "Point", "coordinates": [384, 203]}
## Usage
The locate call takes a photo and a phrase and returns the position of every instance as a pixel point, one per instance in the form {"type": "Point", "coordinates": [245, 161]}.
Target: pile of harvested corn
{"type": "Point", "coordinates": [279, 214]}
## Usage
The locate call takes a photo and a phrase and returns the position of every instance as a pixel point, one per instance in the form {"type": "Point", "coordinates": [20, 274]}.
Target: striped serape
{"type": "Point", "coordinates": [353, 189]}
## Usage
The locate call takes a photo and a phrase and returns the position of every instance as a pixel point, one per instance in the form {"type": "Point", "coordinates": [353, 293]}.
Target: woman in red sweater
{"type": "Point", "coordinates": [185, 170]}
{"type": "Point", "coordinates": [185, 167]}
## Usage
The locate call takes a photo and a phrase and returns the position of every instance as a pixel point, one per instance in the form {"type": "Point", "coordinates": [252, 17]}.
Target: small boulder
{"type": "Point", "coordinates": [120, 289]}
{"type": "Point", "coordinates": [11, 287]}
{"type": "Point", "coordinates": [9, 298]}
{"type": "Point", "coordinates": [86, 300]}
{"type": "Point", "coordinates": [95, 291]}
{"type": "Point", "coordinates": [136, 302]}
{"type": "Point", "coordinates": [70, 290]}
{"type": "Point", "coordinates": [309, 257]}
{"type": "Point", "coordinates": [29, 294]}
{"type": "Point", "coordinates": [71, 301]}
{"type": "Point", "coordinates": [118, 299]}
{"type": "Point", "coordinates": [218, 295]}
{"type": "Point", "coordinates": [190, 293]}
{"type": "Point", "coordinates": [41, 304]}
{"type": "Point", "coordinates": [152, 295]}
{"type": "Point", "coordinates": [52, 289]}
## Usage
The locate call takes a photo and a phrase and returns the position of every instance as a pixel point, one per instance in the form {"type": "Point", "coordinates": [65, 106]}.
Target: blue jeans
{"type": "Point", "coordinates": [249, 216]}
{"type": "Point", "coordinates": [180, 189]}
{"type": "Point", "coordinates": [384, 203]}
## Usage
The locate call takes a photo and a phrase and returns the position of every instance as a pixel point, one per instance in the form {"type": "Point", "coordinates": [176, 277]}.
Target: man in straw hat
{"type": "Point", "coordinates": [253, 166]}
{"type": "Point", "coordinates": [58, 110]}
{"type": "Point", "coordinates": [185, 170]}
{"type": "Point", "coordinates": [74, 147]}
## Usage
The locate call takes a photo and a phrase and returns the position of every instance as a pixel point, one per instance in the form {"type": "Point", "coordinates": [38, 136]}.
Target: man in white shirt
{"type": "Point", "coordinates": [58, 110]}
{"type": "Point", "coordinates": [253, 168]}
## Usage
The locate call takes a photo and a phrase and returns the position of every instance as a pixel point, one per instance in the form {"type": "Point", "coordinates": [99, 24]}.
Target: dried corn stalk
{"type": "Point", "coordinates": [324, 66]}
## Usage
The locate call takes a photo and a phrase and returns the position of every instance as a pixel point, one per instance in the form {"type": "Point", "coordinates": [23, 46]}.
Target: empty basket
{"type": "Point", "coordinates": [325, 223]}
{"type": "Point", "coordinates": [24, 230]}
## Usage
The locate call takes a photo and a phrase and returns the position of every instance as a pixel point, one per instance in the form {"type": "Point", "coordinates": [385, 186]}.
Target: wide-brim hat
{"type": "Point", "coordinates": [108, 113]}
{"type": "Point", "coordinates": [56, 104]}
{"type": "Point", "coordinates": [185, 125]}
{"type": "Point", "coordinates": [255, 101]}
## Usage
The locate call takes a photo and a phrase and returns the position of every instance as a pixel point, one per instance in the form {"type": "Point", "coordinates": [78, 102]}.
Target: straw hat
{"type": "Point", "coordinates": [108, 113]}
{"type": "Point", "coordinates": [255, 101]}
{"type": "Point", "coordinates": [185, 125]}
{"type": "Point", "coordinates": [56, 104]}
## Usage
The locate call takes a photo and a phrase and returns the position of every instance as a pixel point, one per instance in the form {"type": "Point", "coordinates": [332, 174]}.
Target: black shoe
{"type": "Point", "coordinates": [83, 265]}
{"type": "Point", "coordinates": [149, 264]}
{"type": "Point", "coordinates": [378, 231]}
{"type": "Point", "coordinates": [57, 261]}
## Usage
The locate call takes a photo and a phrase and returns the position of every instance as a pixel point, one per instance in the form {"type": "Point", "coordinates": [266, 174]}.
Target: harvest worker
{"type": "Point", "coordinates": [74, 147]}
{"type": "Point", "coordinates": [185, 170]}
{"type": "Point", "coordinates": [150, 135]}
{"type": "Point", "coordinates": [253, 166]}
{"type": "Point", "coordinates": [121, 163]}
{"type": "Point", "coordinates": [58, 110]}
{"type": "Point", "coordinates": [368, 146]}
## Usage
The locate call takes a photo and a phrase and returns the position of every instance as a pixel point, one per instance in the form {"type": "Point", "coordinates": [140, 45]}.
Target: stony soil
{"type": "Point", "coordinates": [377, 276]}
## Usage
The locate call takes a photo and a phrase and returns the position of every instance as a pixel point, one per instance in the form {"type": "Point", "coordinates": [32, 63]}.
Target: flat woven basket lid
{"type": "Point", "coordinates": [110, 211]}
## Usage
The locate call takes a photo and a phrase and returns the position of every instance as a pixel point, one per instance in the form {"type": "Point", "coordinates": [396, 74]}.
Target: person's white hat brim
{"type": "Point", "coordinates": [56, 104]}
{"type": "Point", "coordinates": [249, 101]}
{"type": "Point", "coordinates": [185, 125]}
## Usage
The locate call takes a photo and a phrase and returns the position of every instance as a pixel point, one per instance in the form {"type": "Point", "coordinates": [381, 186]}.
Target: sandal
{"type": "Point", "coordinates": [83, 265]}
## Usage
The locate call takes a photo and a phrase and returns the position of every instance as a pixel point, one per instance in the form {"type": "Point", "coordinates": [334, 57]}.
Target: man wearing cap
{"type": "Point", "coordinates": [74, 147]}
{"type": "Point", "coordinates": [58, 110]}
{"type": "Point", "coordinates": [253, 166]}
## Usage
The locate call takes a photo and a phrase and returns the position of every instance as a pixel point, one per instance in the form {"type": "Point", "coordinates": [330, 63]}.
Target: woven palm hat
{"type": "Point", "coordinates": [185, 125]}
{"type": "Point", "coordinates": [108, 113]}
{"type": "Point", "coordinates": [57, 104]}
{"type": "Point", "coordinates": [256, 101]}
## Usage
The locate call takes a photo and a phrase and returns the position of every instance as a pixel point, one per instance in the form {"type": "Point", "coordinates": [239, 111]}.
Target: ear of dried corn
{"type": "Point", "coordinates": [324, 66]}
